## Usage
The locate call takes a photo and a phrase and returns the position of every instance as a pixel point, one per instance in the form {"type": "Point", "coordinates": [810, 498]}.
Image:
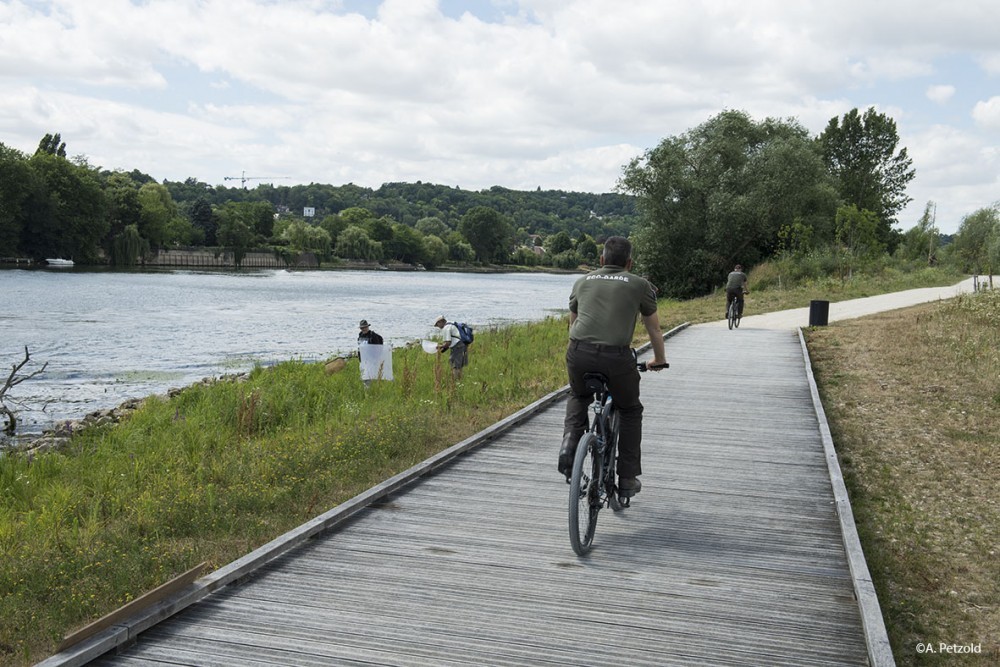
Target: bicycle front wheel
{"type": "Point", "coordinates": [584, 496]}
{"type": "Point", "coordinates": [611, 461]}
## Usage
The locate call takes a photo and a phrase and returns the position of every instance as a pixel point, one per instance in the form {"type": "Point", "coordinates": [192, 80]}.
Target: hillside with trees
{"type": "Point", "coordinates": [731, 190]}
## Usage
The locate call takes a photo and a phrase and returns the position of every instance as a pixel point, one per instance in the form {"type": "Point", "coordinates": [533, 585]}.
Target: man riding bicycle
{"type": "Point", "coordinates": [603, 306]}
{"type": "Point", "coordinates": [736, 287]}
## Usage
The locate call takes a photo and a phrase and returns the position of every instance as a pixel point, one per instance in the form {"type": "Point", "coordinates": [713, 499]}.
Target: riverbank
{"type": "Point", "coordinates": [109, 335]}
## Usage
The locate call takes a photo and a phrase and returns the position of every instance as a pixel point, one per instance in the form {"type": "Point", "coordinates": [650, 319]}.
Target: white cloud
{"type": "Point", "coordinates": [940, 93]}
{"type": "Point", "coordinates": [556, 93]}
{"type": "Point", "coordinates": [987, 114]}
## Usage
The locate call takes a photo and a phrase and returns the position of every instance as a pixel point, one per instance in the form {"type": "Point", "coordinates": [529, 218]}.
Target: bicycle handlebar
{"type": "Point", "coordinates": [643, 367]}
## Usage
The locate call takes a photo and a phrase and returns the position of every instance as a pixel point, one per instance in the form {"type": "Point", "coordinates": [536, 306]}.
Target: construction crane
{"type": "Point", "coordinates": [243, 178]}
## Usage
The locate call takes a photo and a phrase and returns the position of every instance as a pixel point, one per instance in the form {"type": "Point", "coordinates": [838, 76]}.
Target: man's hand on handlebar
{"type": "Point", "coordinates": [654, 365]}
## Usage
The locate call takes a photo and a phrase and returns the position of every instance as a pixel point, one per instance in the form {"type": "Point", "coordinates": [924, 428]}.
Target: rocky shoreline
{"type": "Point", "coordinates": [62, 431]}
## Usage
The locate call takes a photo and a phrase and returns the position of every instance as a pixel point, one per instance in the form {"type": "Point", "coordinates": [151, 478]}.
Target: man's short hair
{"type": "Point", "coordinates": [617, 250]}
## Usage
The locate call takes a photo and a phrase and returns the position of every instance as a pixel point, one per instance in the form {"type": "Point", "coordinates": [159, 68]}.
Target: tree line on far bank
{"type": "Point", "coordinates": [55, 206]}
{"type": "Point", "coordinates": [732, 190]}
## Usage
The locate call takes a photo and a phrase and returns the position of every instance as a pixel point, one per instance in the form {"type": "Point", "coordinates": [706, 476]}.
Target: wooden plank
{"type": "Point", "coordinates": [160, 592]}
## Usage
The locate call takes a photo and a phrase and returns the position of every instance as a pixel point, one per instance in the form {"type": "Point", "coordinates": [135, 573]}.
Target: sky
{"type": "Point", "coordinates": [523, 94]}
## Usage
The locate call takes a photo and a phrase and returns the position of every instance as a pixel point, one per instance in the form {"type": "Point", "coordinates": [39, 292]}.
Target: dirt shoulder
{"type": "Point", "coordinates": [912, 399]}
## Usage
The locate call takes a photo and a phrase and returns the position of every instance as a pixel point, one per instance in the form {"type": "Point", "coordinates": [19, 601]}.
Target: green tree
{"type": "Point", "coordinates": [557, 243]}
{"type": "Point", "coordinates": [15, 184]}
{"type": "Point", "coordinates": [435, 251]}
{"type": "Point", "coordinates": [720, 194]}
{"type": "Point", "coordinates": [156, 211]}
{"type": "Point", "coordinates": [354, 243]}
{"type": "Point", "coordinates": [181, 232]}
{"type": "Point", "coordinates": [921, 241]}
{"type": "Point", "coordinates": [432, 226]}
{"type": "Point", "coordinates": [567, 259]}
{"type": "Point", "coordinates": [128, 247]}
{"type": "Point", "coordinates": [379, 229]}
{"type": "Point", "coordinates": [586, 250]}
{"type": "Point", "coordinates": [236, 231]}
{"type": "Point", "coordinates": [65, 211]}
{"type": "Point", "coordinates": [406, 245]}
{"type": "Point", "coordinates": [976, 236]}
{"type": "Point", "coordinates": [356, 215]}
{"type": "Point", "coordinates": [861, 153]}
{"type": "Point", "coordinates": [262, 216]}
{"type": "Point", "coordinates": [204, 219]}
{"type": "Point", "coordinates": [52, 144]}
{"type": "Point", "coordinates": [334, 225]}
{"type": "Point", "coordinates": [303, 237]}
{"type": "Point", "coordinates": [488, 232]}
{"type": "Point", "coordinates": [857, 237]}
{"type": "Point", "coordinates": [459, 250]}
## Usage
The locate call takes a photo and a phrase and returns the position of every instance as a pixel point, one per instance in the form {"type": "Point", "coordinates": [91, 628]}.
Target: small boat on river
{"type": "Point", "coordinates": [59, 262]}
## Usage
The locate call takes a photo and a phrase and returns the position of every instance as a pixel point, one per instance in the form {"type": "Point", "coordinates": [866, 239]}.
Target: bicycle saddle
{"type": "Point", "coordinates": [595, 383]}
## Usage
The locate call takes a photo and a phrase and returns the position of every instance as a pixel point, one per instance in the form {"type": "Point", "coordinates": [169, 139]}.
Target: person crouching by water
{"type": "Point", "coordinates": [453, 341]}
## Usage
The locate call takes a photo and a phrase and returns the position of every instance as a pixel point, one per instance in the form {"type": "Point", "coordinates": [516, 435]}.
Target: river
{"type": "Point", "coordinates": [108, 336]}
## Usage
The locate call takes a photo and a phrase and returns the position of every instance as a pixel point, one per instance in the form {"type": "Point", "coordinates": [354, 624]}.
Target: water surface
{"type": "Point", "coordinates": [109, 336]}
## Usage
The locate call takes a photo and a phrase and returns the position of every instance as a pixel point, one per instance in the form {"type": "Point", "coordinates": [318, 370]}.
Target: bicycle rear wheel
{"type": "Point", "coordinates": [584, 496]}
{"type": "Point", "coordinates": [731, 313]}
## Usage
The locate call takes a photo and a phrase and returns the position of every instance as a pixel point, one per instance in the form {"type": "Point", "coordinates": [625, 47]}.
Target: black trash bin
{"type": "Point", "coordinates": [819, 313]}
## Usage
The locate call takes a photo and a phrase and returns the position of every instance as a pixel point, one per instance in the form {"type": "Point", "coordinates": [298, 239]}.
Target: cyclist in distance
{"type": "Point", "coordinates": [602, 311]}
{"type": "Point", "coordinates": [736, 287]}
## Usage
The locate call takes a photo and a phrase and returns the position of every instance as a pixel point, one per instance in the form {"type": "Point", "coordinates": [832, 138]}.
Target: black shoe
{"type": "Point", "coordinates": [629, 486]}
{"type": "Point", "coordinates": [566, 455]}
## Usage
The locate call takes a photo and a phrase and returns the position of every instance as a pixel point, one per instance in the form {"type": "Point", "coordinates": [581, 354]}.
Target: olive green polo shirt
{"type": "Point", "coordinates": [606, 302]}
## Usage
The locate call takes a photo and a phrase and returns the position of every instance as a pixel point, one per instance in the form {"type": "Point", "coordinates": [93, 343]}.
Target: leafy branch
{"type": "Point", "coordinates": [12, 381]}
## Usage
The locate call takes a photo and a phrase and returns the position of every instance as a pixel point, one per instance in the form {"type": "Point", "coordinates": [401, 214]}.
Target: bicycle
{"type": "Point", "coordinates": [592, 482]}
{"type": "Point", "coordinates": [733, 315]}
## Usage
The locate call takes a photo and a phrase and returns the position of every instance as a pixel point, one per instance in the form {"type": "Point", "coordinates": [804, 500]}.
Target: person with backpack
{"type": "Point", "coordinates": [457, 336]}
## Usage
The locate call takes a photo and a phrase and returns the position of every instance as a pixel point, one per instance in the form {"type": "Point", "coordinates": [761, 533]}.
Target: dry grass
{"type": "Point", "coordinates": [913, 398]}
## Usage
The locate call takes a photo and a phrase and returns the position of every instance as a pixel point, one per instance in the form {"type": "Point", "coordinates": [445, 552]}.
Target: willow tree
{"type": "Point", "coordinates": [128, 247]}
{"type": "Point", "coordinates": [720, 194]}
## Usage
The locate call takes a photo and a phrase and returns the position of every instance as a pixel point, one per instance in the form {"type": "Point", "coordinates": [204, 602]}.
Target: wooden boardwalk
{"type": "Point", "coordinates": [732, 554]}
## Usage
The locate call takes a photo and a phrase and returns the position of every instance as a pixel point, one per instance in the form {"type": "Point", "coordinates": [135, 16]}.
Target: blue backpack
{"type": "Point", "coordinates": [465, 332]}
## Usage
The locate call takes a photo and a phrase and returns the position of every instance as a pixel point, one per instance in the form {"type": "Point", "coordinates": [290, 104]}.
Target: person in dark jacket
{"type": "Point", "coordinates": [736, 287]}
{"type": "Point", "coordinates": [368, 336]}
